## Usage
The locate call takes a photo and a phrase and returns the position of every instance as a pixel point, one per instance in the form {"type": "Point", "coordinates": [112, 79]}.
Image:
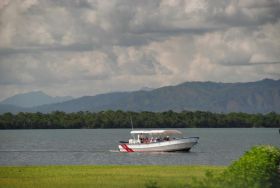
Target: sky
{"type": "Point", "coordinates": [88, 47]}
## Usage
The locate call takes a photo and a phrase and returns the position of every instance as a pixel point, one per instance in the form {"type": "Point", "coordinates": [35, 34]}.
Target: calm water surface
{"type": "Point", "coordinates": [99, 146]}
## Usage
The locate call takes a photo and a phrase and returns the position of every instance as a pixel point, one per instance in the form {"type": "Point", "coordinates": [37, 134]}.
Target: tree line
{"type": "Point", "coordinates": [121, 119]}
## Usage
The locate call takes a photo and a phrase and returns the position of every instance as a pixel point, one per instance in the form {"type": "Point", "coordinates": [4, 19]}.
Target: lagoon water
{"type": "Point", "coordinates": [217, 146]}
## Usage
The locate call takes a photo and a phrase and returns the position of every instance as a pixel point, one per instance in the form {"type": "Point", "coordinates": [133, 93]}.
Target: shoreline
{"type": "Point", "coordinates": [139, 128]}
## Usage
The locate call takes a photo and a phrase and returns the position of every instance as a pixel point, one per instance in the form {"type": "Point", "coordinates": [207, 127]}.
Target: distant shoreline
{"type": "Point", "coordinates": [141, 120]}
{"type": "Point", "coordinates": [147, 128]}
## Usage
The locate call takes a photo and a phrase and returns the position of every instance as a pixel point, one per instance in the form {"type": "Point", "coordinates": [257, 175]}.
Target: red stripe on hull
{"type": "Point", "coordinates": [125, 147]}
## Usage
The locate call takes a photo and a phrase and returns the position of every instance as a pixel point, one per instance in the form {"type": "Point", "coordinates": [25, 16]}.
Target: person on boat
{"type": "Point", "coordinates": [146, 140]}
{"type": "Point", "coordinates": [166, 138]}
{"type": "Point", "coordinates": [141, 138]}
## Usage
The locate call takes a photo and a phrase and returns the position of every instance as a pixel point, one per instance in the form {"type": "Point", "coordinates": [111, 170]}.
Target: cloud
{"type": "Point", "coordinates": [80, 47]}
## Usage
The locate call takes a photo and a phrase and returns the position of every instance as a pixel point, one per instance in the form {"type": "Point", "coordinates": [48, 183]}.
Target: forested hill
{"type": "Point", "coordinates": [251, 97]}
{"type": "Point", "coordinates": [254, 97]}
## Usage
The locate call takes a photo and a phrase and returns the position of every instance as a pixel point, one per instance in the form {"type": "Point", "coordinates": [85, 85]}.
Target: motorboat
{"type": "Point", "coordinates": [157, 141]}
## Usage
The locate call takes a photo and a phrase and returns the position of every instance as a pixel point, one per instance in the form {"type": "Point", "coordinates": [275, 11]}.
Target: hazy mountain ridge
{"type": "Point", "coordinates": [32, 99]}
{"type": "Point", "coordinates": [251, 97]}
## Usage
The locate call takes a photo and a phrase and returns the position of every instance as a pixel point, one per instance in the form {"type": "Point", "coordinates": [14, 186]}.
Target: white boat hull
{"type": "Point", "coordinates": [184, 144]}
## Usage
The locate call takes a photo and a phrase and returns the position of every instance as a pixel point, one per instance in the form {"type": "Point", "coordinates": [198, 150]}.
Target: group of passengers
{"type": "Point", "coordinates": [145, 140]}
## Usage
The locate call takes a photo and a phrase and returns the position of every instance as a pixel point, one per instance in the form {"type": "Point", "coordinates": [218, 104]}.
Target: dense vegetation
{"type": "Point", "coordinates": [258, 168]}
{"type": "Point", "coordinates": [121, 119]}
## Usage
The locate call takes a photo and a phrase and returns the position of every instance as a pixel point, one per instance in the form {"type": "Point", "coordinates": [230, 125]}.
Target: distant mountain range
{"type": "Point", "coordinates": [32, 99]}
{"type": "Point", "coordinates": [251, 97]}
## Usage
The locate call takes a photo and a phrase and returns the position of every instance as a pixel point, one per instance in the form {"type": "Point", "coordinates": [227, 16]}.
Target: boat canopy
{"type": "Point", "coordinates": [167, 132]}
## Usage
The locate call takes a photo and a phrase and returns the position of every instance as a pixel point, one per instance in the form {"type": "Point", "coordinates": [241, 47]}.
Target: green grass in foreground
{"type": "Point", "coordinates": [100, 176]}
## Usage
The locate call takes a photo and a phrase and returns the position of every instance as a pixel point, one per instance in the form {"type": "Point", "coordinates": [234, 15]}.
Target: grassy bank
{"type": "Point", "coordinates": [100, 176]}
